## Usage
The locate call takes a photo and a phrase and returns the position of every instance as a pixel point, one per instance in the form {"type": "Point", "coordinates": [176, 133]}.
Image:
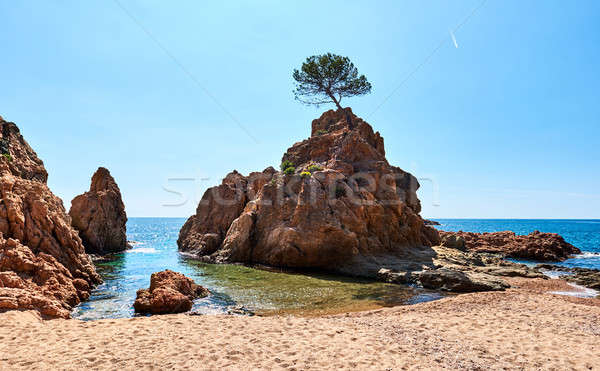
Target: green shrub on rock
{"type": "Point", "coordinates": [313, 168]}
{"type": "Point", "coordinates": [305, 174]}
{"type": "Point", "coordinates": [286, 164]}
{"type": "Point", "coordinates": [289, 170]}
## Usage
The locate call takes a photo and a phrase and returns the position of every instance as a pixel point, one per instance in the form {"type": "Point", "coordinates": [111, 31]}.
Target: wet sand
{"type": "Point", "coordinates": [524, 327]}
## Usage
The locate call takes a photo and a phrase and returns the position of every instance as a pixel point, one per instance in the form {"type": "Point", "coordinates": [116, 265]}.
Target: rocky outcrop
{"type": "Point", "coordinates": [492, 264]}
{"type": "Point", "coordinates": [587, 277]}
{"type": "Point", "coordinates": [534, 246]}
{"type": "Point", "coordinates": [336, 205]}
{"type": "Point", "coordinates": [460, 281]}
{"type": "Point", "coordinates": [430, 222]}
{"type": "Point", "coordinates": [169, 292]}
{"type": "Point", "coordinates": [99, 216]}
{"type": "Point", "coordinates": [43, 265]}
{"type": "Point", "coordinates": [460, 271]}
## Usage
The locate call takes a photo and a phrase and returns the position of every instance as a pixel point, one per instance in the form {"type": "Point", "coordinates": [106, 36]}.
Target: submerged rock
{"type": "Point", "coordinates": [99, 216]}
{"type": "Point", "coordinates": [534, 246]}
{"type": "Point", "coordinates": [43, 264]}
{"type": "Point", "coordinates": [169, 292]}
{"type": "Point", "coordinates": [337, 205]}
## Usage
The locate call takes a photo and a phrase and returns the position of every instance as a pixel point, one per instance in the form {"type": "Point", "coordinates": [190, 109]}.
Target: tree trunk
{"type": "Point", "coordinates": [348, 118]}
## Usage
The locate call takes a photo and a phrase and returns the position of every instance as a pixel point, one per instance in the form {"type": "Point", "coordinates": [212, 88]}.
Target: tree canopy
{"type": "Point", "coordinates": [328, 78]}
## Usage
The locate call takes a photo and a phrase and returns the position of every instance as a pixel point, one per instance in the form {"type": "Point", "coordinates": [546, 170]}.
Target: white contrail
{"type": "Point", "coordinates": [454, 39]}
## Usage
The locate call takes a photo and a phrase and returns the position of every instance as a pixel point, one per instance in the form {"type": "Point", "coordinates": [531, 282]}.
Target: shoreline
{"type": "Point", "coordinates": [522, 327]}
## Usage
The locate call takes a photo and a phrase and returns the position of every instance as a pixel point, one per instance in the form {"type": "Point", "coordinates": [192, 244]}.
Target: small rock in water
{"type": "Point", "coordinates": [169, 292]}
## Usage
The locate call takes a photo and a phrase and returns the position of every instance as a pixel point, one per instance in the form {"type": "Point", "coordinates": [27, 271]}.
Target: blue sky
{"type": "Point", "coordinates": [504, 126]}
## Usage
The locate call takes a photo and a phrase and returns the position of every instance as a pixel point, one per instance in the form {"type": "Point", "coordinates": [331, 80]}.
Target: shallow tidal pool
{"type": "Point", "coordinates": [234, 288]}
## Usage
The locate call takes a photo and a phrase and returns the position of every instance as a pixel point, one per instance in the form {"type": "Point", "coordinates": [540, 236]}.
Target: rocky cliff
{"type": "Point", "coordinates": [43, 265]}
{"type": "Point", "coordinates": [336, 205]}
{"type": "Point", "coordinates": [99, 215]}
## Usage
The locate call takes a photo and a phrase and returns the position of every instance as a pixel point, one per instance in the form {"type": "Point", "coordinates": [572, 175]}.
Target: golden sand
{"type": "Point", "coordinates": [525, 328]}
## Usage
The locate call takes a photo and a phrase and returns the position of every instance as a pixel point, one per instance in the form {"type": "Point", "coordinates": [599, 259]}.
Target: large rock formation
{"type": "Point", "coordinates": [99, 215]}
{"type": "Point", "coordinates": [534, 246]}
{"type": "Point", "coordinates": [169, 292]}
{"type": "Point", "coordinates": [339, 206]}
{"type": "Point", "coordinates": [43, 265]}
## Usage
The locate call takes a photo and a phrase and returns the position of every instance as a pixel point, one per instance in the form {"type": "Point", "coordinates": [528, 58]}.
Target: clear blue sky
{"type": "Point", "coordinates": [506, 125]}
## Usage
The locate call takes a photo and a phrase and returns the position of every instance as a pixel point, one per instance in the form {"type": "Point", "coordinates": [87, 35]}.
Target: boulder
{"type": "Point", "coordinates": [43, 264]}
{"type": "Point", "coordinates": [534, 246]}
{"type": "Point", "coordinates": [340, 207]}
{"type": "Point", "coordinates": [169, 292]}
{"type": "Point", "coordinates": [453, 241]}
{"type": "Point", "coordinates": [392, 276]}
{"type": "Point", "coordinates": [99, 216]}
{"type": "Point", "coordinates": [459, 281]}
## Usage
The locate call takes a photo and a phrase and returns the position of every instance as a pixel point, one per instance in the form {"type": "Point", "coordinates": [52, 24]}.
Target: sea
{"type": "Point", "coordinates": [237, 289]}
{"type": "Point", "coordinates": [582, 233]}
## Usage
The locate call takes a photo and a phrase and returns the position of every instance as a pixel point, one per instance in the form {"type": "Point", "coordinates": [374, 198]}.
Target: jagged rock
{"type": "Point", "coordinates": [43, 265]}
{"type": "Point", "coordinates": [169, 292]}
{"type": "Point", "coordinates": [492, 264]}
{"type": "Point", "coordinates": [99, 216]}
{"type": "Point", "coordinates": [391, 276]}
{"type": "Point", "coordinates": [459, 281]}
{"type": "Point", "coordinates": [453, 241]}
{"type": "Point", "coordinates": [535, 246]}
{"type": "Point", "coordinates": [430, 222]}
{"type": "Point", "coordinates": [353, 214]}
{"type": "Point", "coordinates": [461, 271]}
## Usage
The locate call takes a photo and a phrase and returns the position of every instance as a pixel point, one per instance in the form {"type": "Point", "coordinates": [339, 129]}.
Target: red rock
{"type": "Point", "coordinates": [99, 216]}
{"type": "Point", "coordinates": [534, 246]}
{"type": "Point", "coordinates": [169, 292]}
{"type": "Point", "coordinates": [354, 216]}
{"type": "Point", "coordinates": [43, 265]}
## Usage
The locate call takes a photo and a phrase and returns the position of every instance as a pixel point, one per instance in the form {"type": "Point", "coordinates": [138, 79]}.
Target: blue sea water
{"type": "Point", "coordinates": [582, 233]}
{"type": "Point", "coordinates": [258, 290]}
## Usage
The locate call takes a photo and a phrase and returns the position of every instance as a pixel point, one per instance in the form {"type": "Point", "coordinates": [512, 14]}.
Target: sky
{"type": "Point", "coordinates": [171, 96]}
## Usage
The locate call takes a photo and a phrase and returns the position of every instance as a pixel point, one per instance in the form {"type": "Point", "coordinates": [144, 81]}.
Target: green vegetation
{"type": "Point", "coordinates": [321, 132]}
{"type": "Point", "coordinates": [289, 170]}
{"type": "Point", "coordinates": [305, 174]}
{"type": "Point", "coordinates": [313, 168]}
{"type": "Point", "coordinates": [328, 78]}
{"type": "Point", "coordinates": [7, 156]}
{"type": "Point", "coordinates": [286, 164]}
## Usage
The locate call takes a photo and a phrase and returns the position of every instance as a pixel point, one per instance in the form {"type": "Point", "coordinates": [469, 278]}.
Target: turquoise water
{"type": "Point", "coordinates": [232, 286]}
{"type": "Point", "coordinates": [584, 234]}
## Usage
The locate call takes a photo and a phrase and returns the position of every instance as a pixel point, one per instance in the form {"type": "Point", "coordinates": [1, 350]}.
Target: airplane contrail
{"type": "Point", "coordinates": [454, 39]}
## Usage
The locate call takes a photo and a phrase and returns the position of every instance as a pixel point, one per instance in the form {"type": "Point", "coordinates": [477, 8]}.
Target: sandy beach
{"type": "Point", "coordinates": [524, 327]}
